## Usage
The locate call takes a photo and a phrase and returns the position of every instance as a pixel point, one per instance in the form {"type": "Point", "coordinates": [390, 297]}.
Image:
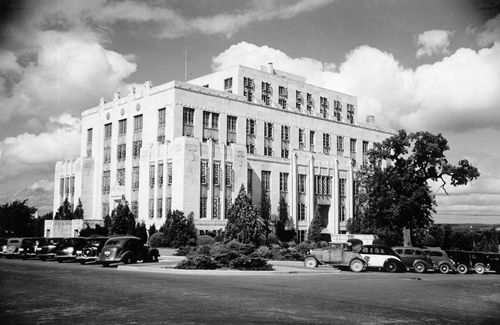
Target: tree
{"type": "Point", "coordinates": [178, 229]}
{"type": "Point", "coordinates": [78, 213]}
{"type": "Point", "coordinates": [141, 232]}
{"type": "Point", "coordinates": [152, 230]}
{"type": "Point", "coordinates": [265, 213]}
{"type": "Point", "coordinates": [244, 223]}
{"type": "Point", "coordinates": [283, 226]}
{"type": "Point", "coordinates": [17, 219]}
{"type": "Point", "coordinates": [64, 212]}
{"type": "Point", "coordinates": [314, 233]}
{"type": "Point", "coordinates": [122, 219]}
{"type": "Point", "coordinates": [97, 231]}
{"type": "Point", "coordinates": [397, 197]}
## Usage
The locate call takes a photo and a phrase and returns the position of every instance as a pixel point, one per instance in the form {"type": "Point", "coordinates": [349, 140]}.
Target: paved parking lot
{"type": "Point", "coordinates": [34, 292]}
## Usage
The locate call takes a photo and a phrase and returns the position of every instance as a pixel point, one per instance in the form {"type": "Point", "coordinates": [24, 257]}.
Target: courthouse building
{"type": "Point", "coordinates": [191, 145]}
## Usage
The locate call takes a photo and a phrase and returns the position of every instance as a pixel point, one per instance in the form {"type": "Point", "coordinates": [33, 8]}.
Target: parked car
{"type": "Point", "coordinates": [493, 262]}
{"type": "Point", "coordinates": [91, 250]}
{"type": "Point", "coordinates": [13, 246]}
{"type": "Point", "coordinates": [127, 250]}
{"type": "Point", "coordinates": [466, 261]}
{"type": "Point", "coordinates": [443, 262]}
{"type": "Point", "coordinates": [48, 250]}
{"type": "Point", "coordinates": [66, 251]}
{"type": "Point", "coordinates": [414, 258]}
{"type": "Point", "coordinates": [340, 255]}
{"type": "Point", "coordinates": [30, 247]}
{"type": "Point", "coordinates": [382, 258]}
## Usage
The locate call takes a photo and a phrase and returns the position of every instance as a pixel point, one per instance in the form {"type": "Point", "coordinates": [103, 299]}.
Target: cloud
{"type": "Point", "coordinates": [169, 23]}
{"type": "Point", "coordinates": [43, 184]}
{"type": "Point", "coordinates": [433, 42]}
{"type": "Point", "coordinates": [489, 33]}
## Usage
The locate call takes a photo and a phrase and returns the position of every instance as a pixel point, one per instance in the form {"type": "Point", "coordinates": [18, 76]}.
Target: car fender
{"type": "Point", "coordinates": [427, 265]}
{"type": "Point", "coordinates": [315, 257]}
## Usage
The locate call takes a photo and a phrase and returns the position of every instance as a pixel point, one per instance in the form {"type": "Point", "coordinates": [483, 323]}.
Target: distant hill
{"type": "Point", "coordinates": [471, 226]}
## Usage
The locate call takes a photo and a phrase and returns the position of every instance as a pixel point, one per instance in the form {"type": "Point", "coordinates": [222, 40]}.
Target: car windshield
{"type": "Point", "coordinates": [94, 242]}
{"type": "Point", "coordinates": [71, 241]}
{"type": "Point", "coordinates": [115, 242]}
{"type": "Point", "coordinates": [13, 241]}
{"type": "Point", "coordinates": [53, 241]}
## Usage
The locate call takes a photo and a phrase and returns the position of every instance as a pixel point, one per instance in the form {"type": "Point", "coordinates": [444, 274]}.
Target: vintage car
{"type": "Point", "coordinates": [48, 250]}
{"type": "Point", "coordinates": [382, 258]}
{"type": "Point", "coordinates": [90, 252]}
{"type": "Point", "coordinates": [466, 261]}
{"type": "Point", "coordinates": [493, 262]}
{"type": "Point", "coordinates": [13, 246]}
{"type": "Point", "coordinates": [30, 247]}
{"type": "Point", "coordinates": [414, 258]}
{"type": "Point", "coordinates": [338, 255]}
{"type": "Point", "coordinates": [127, 250]}
{"type": "Point", "coordinates": [66, 251]}
{"type": "Point", "coordinates": [439, 257]}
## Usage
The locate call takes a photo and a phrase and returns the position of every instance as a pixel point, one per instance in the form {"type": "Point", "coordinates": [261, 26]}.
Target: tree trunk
{"type": "Point", "coordinates": [406, 237]}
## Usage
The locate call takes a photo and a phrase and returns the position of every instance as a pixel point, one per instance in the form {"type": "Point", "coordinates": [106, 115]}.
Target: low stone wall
{"type": "Point", "coordinates": [68, 228]}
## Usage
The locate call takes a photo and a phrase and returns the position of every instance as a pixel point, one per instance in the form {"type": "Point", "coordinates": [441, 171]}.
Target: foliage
{"type": "Point", "coordinates": [64, 211]}
{"type": "Point", "coordinates": [265, 213]}
{"type": "Point", "coordinates": [185, 250]}
{"type": "Point", "coordinates": [396, 197]}
{"type": "Point", "coordinates": [122, 220]}
{"type": "Point", "coordinates": [179, 230]}
{"type": "Point", "coordinates": [305, 246]}
{"type": "Point", "coordinates": [283, 225]}
{"type": "Point", "coordinates": [250, 263]}
{"type": "Point", "coordinates": [447, 238]}
{"type": "Point", "coordinates": [152, 230]}
{"type": "Point", "coordinates": [263, 252]}
{"type": "Point", "coordinates": [241, 248]}
{"type": "Point", "coordinates": [16, 219]}
{"type": "Point", "coordinates": [198, 262]}
{"type": "Point", "coordinates": [78, 213]}
{"type": "Point", "coordinates": [243, 221]}
{"type": "Point", "coordinates": [157, 240]}
{"type": "Point", "coordinates": [98, 230]}
{"type": "Point", "coordinates": [141, 232]}
{"type": "Point", "coordinates": [205, 240]}
{"type": "Point", "coordinates": [315, 227]}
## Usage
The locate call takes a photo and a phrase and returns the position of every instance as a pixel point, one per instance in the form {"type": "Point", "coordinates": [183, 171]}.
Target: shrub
{"type": "Point", "coordinates": [244, 249]}
{"type": "Point", "coordinates": [305, 246]}
{"type": "Point", "coordinates": [323, 244]}
{"type": "Point", "coordinates": [250, 263]}
{"type": "Point", "coordinates": [203, 250]}
{"type": "Point", "coordinates": [272, 239]}
{"type": "Point", "coordinates": [197, 262]}
{"type": "Point", "coordinates": [263, 252]}
{"type": "Point", "coordinates": [224, 259]}
{"type": "Point", "coordinates": [184, 250]}
{"type": "Point", "coordinates": [205, 240]}
{"type": "Point", "coordinates": [157, 240]}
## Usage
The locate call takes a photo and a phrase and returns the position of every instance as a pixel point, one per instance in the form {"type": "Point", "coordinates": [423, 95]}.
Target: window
{"type": "Point", "coordinates": [340, 144]}
{"type": "Point", "coordinates": [204, 172]}
{"type": "Point", "coordinates": [337, 110]}
{"type": "Point", "coordinates": [342, 199]}
{"type": "Point", "coordinates": [266, 180]}
{"type": "Point", "coordinates": [250, 148]}
{"type": "Point", "coordinates": [160, 175]}
{"type": "Point", "coordinates": [120, 176]}
{"type": "Point", "coordinates": [311, 140]}
{"type": "Point", "coordinates": [326, 143]}
{"type": "Point", "coordinates": [216, 174]}
{"type": "Point", "coordinates": [151, 176]}
{"type": "Point", "coordinates": [151, 212]}
{"type": "Point", "coordinates": [248, 88]}
{"type": "Point", "coordinates": [138, 123]}
{"type": "Point", "coordinates": [169, 171]}
{"type": "Point", "coordinates": [210, 126]}
{"type": "Point", "coordinates": [121, 152]}
{"type": "Point", "coordinates": [228, 85]}
{"type": "Point", "coordinates": [216, 208]}
{"type": "Point", "coordinates": [322, 185]}
{"type": "Point", "coordinates": [107, 154]}
{"type": "Point", "coordinates": [250, 127]}
{"type": "Point", "coordinates": [105, 182]}
{"type": "Point", "coordinates": [72, 185]}
{"type": "Point", "coordinates": [350, 113]}
{"type": "Point", "coordinates": [229, 175]}
{"type": "Point", "coordinates": [266, 93]}
{"type": "Point", "coordinates": [301, 235]}
{"type": "Point", "coordinates": [188, 122]}
{"type": "Point", "coordinates": [365, 152]}
{"type": "Point", "coordinates": [107, 131]}
{"type": "Point", "coordinates": [105, 209]}
{"type": "Point", "coordinates": [268, 150]}
{"type": "Point", "coordinates": [302, 140]}
{"type": "Point", "coordinates": [323, 107]}
{"type": "Point", "coordinates": [89, 143]}
{"type": "Point", "coordinates": [161, 116]}
{"type": "Point", "coordinates": [203, 208]}
{"type": "Point", "coordinates": [283, 182]}
{"type": "Point", "coordinates": [283, 96]}
{"type": "Point", "coordinates": [135, 178]}
{"type": "Point", "coordinates": [122, 127]}
{"type": "Point", "coordinates": [268, 139]}
{"type": "Point", "coordinates": [301, 211]}
{"type": "Point", "coordinates": [231, 129]}
{"type": "Point", "coordinates": [137, 145]}
{"type": "Point", "coordinates": [285, 139]}
{"type": "Point", "coordinates": [159, 208]}
{"type": "Point", "coordinates": [310, 103]}
{"type": "Point", "coordinates": [352, 145]}
{"type": "Point", "coordinates": [168, 204]}
{"type": "Point", "coordinates": [249, 182]}
{"type": "Point", "coordinates": [298, 100]}
{"type": "Point", "coordinates": [268, 130]}
{"type": "Point", "coordinates": [302, 183]}
{"type": "Point", "coordinates": [61, 186]}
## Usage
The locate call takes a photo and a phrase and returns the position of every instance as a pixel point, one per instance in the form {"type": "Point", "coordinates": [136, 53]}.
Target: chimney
{"type": "Point", "coordinates": [270, 67]}
{"type": "Point", "coordinates": [370, 119]}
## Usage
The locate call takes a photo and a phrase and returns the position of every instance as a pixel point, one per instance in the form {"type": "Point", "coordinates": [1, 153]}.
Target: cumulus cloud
{"type": "Point", "coordinates": [433, 42]}
{"type": "Point", "coordinates": [43, 184]}
{"type": "Point", "coordinates": [489, 33]}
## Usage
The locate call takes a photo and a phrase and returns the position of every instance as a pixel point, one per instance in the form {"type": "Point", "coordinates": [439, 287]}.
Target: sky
{"type": "Point", "coordinates": [415, 65]}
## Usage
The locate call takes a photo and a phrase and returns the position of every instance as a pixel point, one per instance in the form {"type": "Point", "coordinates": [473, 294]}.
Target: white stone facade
{"type": "Point", "coordinates": [190, 146]}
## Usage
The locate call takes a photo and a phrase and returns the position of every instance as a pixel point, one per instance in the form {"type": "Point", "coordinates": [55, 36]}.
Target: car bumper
{"type": "Point", "coordinates": [65, 257]}
{"type": "Point", "coordinates": [86, 259]}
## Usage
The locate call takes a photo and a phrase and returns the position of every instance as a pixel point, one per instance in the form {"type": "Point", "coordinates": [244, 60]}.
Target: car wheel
{"type": "Point", "coordinates": [462, 269]}
{"type": "Point", "coordinates": [356, 266]}
{"type": "Point", "coordinates": [391, 267]}
{"type": "Point", "coordinates": [444, 268]}
{"type": "Point", "coordinates": [154, 258]}
{"type": "Point", "coordinates": [420, 268]}
{"type": "Point", "coordinates": [127, 260]}
{"type": "Point", "coordinates": [105, 264]}
{"type": "Point", "coordinates": [479, 268]}
{"type": "Point", "coordinates": [310, 262]}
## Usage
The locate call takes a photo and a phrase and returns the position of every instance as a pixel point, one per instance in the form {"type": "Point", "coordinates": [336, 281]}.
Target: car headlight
{"type": "Point", "coordinates": [68, 250]}
{"type": "Point", "coordinates": [21, 249]}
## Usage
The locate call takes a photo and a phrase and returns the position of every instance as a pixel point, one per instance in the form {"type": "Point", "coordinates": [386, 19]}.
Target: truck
{"type": "Point", "coordinates": [337, 255]}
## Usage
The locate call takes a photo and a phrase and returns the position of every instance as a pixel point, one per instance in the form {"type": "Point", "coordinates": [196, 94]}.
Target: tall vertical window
{"type": "Point", "coordinates": [250, 127]}
{"type": "Point", "coordinates": [310, 102]}
{"type": "Point", "coordinates": [342, 199]}
{"type": "Point", "coordinates": [337, 110]}
{"type": "Point", "coordinates": [161, 125]}
{"type": "Point", "coordinates": [135, 178]}
{"type": "Point", "coordinates": [105, 182]}
{"type": "Point", "coordinates": [89, 143]}
{"type": "Point", "coordinates": [105, 209]}
{"type": "Point", "coordinates": [159, 208]}
{"type": "Point", "coordinates": [210, 126]}
{"type": "Point", "coordinates": [135, 208]}
{"type": "Point", "coordinates": [120, 176]}
{"type": "Point", "coordinates": [301, 211]}
{"type": "Point", "coordinates": [151, 176]}
{"type": "Point", "coordinates": [169, 171]}
{"type": "Point", "coordinates": [216, 174]}
{"type": "Point", "coordinates": [326, 143]}
{"type": "Point", "coordinates": [283, 182]}
{"type": "Point", "coordinates": [229, 175]}
{"type": "Point", "coordinates": [266, 93]}
{"type": "Point", "coordinates": [322, 185]}
{"type": "Point", "coordinates": [61, 186]}
{"type": "Point", "coordinates": [266, 180]}
{"type": "Point", "coordinates": [231, 129]}
{"type": "Point", "coordinates": [121, 152]}
{"type": "Point", "coordinates": [151, 211]}
{"type": "Point", "coordinates": [365, 152]}
{"type": "Point", "coordinates": [138, 123]}
{"type": "Point", "coordinates": [248, 88]}
{"type": "Point", "coordinates": [302, 183]}
{"type": "Point", "coordinates": [204, 172]}
{"type": "Point", "coordinates": [162, 116]}
{"type": "Point", "coordinates": [136, 149]}
{"type": "Point", "coordinates": [122, 127]}
{"type": "Point", "coordinates": [352, 145]}
{"type": "Point", "coordinates": [107, 131]}
{"type": "Point", "coordinates": [160, 175]}
{"type": "Point", "coordinates": [311, 140]}
{"type": "Point", "coordinates": [340, 144]}
{"type": "Point", "coordinates": [216, 208]}
{"type": "Point", "coordinates": [350, 113]}
{"type": "Point", "coordinates": [283, 96]}
{"type": "Point", "coordinates": [249, 182]}
{"type": "Point", "coordinates": [323, 107]}
{"type": "Point", "coordinates": [228, 85]}
{"type": "Point", "coordinates": [203, 208]}
{"type": "Point", "coordinates": [302, 139]}
{"type": "Point", "coordinates": [298, 100]}
{"type": "Point", "coordinates": [268, 139]}
{"type": "Point", "coordinates": [268, 130]}
{"type": "Point", "coordinates": [188, 122]}
{"type": "Point", "coordinates": [285, 141]}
